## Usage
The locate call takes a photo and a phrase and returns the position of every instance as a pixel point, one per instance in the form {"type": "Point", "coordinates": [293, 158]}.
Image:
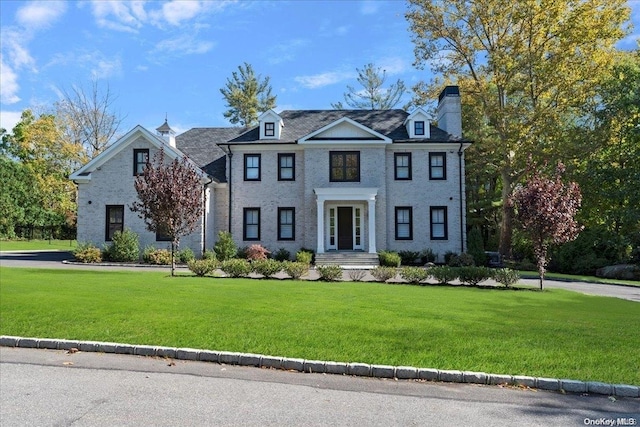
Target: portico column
{"type": "Point", "coordinates": [320, 226]}
{"type": "Point", "coordinates": [372, 225]}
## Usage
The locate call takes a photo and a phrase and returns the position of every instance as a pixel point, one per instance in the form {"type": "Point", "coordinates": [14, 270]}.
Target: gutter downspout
{"type": "Point", "coordinates": [230, 184]}
{"type": "Point", "coordinates": [461, 201]}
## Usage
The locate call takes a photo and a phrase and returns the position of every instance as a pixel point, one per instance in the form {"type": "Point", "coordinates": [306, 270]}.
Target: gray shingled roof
{"type": "Point", "coordinates": [298, 124]}
{"type": "Point", "coordinates": [201, 144]}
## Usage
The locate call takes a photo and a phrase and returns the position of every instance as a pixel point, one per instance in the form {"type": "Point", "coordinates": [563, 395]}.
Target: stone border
{"type": "Point", "coordinates": [324, 367]}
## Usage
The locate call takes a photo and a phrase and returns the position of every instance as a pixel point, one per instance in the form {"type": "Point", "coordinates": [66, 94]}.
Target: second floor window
{"type": "Point", "coordinates": [344, 166]}
{"type": "Point", "coordinates": [437, 166]}
{"type": "Point", "coordinates": [403, 166]}
{"type": "Point", "coordinates": [286, 167]}
{"type": "Point", "coordinates": [140, 160]}
{"type": "Point", "coordinates": [269, 129]}
{"type": "Point", "coordinates": [252, 167]}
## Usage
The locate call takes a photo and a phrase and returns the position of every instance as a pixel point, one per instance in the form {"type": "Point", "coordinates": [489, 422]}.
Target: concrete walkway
{"type": "Point", "coordinates": [55, 259]}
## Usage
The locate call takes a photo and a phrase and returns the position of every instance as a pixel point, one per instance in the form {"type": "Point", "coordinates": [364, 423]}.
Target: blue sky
{"type": "Point", "coordinates": [173, 57]}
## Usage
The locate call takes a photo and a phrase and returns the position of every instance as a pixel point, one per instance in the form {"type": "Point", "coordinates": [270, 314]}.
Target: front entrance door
{"type": "Point", "coordinates": [345, 228]}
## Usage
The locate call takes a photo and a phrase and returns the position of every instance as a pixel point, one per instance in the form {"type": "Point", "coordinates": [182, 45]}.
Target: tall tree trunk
{"type": "Point", "coordinates": [173, 258]}
{"type": "Point", "coordinates": [506, 224]}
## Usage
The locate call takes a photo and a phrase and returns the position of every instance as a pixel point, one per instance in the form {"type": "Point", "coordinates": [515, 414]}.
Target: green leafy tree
{"type": "Point", "coordinates": [529, 67]}
{"type": "Point", "coordinates": [169, 199]}
{"type": "Point", "coordinates": [247, 95]}
{"type": "Point", "coordinates": [373, 95]}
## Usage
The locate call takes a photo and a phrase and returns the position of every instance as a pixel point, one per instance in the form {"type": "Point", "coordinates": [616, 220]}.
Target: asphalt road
{"type": "Point", "coordinates": [47, 387]}
{"type": "Point", "coordinates": [54, 259]}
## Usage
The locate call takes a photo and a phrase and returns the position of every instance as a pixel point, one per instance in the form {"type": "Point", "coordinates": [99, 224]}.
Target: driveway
{"type": "Point", "coordinates": [54, 259]}
{"type": "Point", "coordinates": [50, 387]}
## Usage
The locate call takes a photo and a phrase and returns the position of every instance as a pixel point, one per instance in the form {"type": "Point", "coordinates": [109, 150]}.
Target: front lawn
{"type": "Point", "coordinates": [37, 245]}
{"type": "Point", "coordinates": [553, 333]}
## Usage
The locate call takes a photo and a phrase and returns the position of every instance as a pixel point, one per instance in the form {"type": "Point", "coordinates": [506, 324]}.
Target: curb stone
{"type": "Point", "coordinates": [318, 366]}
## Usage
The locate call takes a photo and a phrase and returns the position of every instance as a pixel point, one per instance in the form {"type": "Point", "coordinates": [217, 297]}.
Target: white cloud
{"type": "Point", "coordinates": [9, 119]}
{"type": "Point", "coordinates": [40, 14]}
{"type": "Point", "coordinates": [98, 65]}
{"type": "Point", "coordinates": [118, 15]}
{"type": "Point", "coordinates": [185, 44]}
{"type": "Point", "coordinates": [176, 11]}
{"type": "Point", "coordinates": [369, 7]}
{"type": "Point", "coordinates": [8, 84]}
{"type": "Point", "coordinates": [392, 65]}
{"type": "Point", "coordinates": [324, 79]}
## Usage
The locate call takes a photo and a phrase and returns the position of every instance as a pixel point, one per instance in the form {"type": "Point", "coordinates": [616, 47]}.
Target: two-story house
{"type": "Point", "coordinates": [328, 180]}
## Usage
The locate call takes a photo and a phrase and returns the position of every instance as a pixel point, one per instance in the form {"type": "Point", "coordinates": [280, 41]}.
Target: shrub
{"type": "Point", "coordinates": [202, 267]}
{"type": "Point", "coordinates": [447, 256]}
{"type": "Point", "coordinates": [207, 254]}
{"type": "Point", "coordinates": [414, 275]}
{"type": "Point", "coordinates": [427, 256]}
{"type": "Point", "coordinates": [124, 247]}
{"type": "Point", "coordinates": [225, 248]}
{"type": "Point", "coordinates": [462, 260]}
{"type": "Point", "coordinates": [236, 267]}
{"type": "Point", "coordinates": [475, 246]}
{"type": "Point", "coordinates": [295, 270]}
{"type": "Point", "coordinates": [329, 273]}
{"type": "Point", "coordinates": [357, 275]}
{"type": "Point", "coordinates": [87, 252]}
{"type": "Point", "coordinates": [242, 252]}
{"type": "Point", "coordinates": [506, 276]}
{"type": "Point", "coordinates": [408, 257]}
{"type": "Point", "coordinates": [443, 274]}
{"type": "Point", "coordinates": [389, 259]}
{"type": "Point", "coordinates": [155, 256]}
{"type": "Point", "coordinates": [304, 256]}
{"type": "Point", "coordinates": [383, 273]}
{"type": "Point", "coordinates": [473, 275]}
{"type": "Point", "coordinates": [257, 252]}
{"type": "Point", "coordinates": [266, 267]}
{"type": "Point", "coordinates": [282, 255]}
{"type": "Point", "coordinates": [185, 255]}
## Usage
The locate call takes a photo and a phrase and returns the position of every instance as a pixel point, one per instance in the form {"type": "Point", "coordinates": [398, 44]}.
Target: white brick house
{"type": "Point", "coordinates": [329, 180]}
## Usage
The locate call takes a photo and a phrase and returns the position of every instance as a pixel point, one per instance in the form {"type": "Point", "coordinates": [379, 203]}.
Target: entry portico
{"type": "Point", "coordinates": [340, 218]}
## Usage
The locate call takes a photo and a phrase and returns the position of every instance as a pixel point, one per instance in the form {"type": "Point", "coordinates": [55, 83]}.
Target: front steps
{"type": "Point", "coordinates": [348, 259]}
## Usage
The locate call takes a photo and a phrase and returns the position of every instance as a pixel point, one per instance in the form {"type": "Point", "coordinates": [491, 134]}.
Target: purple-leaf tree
{"type": "Point", "coordinates": [546, 210]}
{"type": "Point", "coordinates": [169, 199]}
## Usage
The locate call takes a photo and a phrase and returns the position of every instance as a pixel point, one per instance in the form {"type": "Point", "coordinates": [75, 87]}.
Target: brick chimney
{"type": "Point", "coordinates": [449, 111]}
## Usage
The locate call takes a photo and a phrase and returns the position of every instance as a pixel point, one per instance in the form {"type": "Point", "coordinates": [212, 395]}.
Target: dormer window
{"type": "Point", "coordinates": [419, 128]}
{"type": "Point", "coordinates": [269, 129]}
{"type": "Point", "coordinates": [417, 124]}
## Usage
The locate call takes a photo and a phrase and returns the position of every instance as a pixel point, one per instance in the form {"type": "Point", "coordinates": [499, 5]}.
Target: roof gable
{"type": "Point", "coordinates": [84, 173]}
{"type": "Point", "coordinates": [344, 129]}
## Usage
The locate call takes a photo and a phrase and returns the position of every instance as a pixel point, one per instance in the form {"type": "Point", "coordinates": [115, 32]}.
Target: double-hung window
{"type": "Point", "coordinates": [437, 166]}
{"type": "Point", "coordinates": [344, 166]}
{"type": "Point", "coordinates": [286, 223]}
{"type": "Point", "coordinates": [269, 129]}
{"type": "Point", "coordinates": [251, 224]}
{"type": "Point", "coordinates": [252, 167]}
{"type": "Point", "coordinates": [140, 160]}
{"type": "Point", "coordinates": [418, 127]}
{"type": "Point", "coordinates": [404, 223]}
{"type": "Point", "coordinates": [439, 223]}
{"type": "Point", "coordinates": [114, 221]}
{"type": "Point", "coordinates": [402, 166]}
{"type": "Point", "coordinates": [286, 167]}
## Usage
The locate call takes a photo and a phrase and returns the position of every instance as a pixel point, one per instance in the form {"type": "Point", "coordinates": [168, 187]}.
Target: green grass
{"type": "Point", "coordinates": [35, 245]}
{"type": "Point", "coordinates": [578, 278]}
{"type": "Point", "coordinates": [553, 333]}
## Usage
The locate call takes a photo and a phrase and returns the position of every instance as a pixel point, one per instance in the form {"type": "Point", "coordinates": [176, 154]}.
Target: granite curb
{"type": "Point", "coordinates": [327, 367]}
